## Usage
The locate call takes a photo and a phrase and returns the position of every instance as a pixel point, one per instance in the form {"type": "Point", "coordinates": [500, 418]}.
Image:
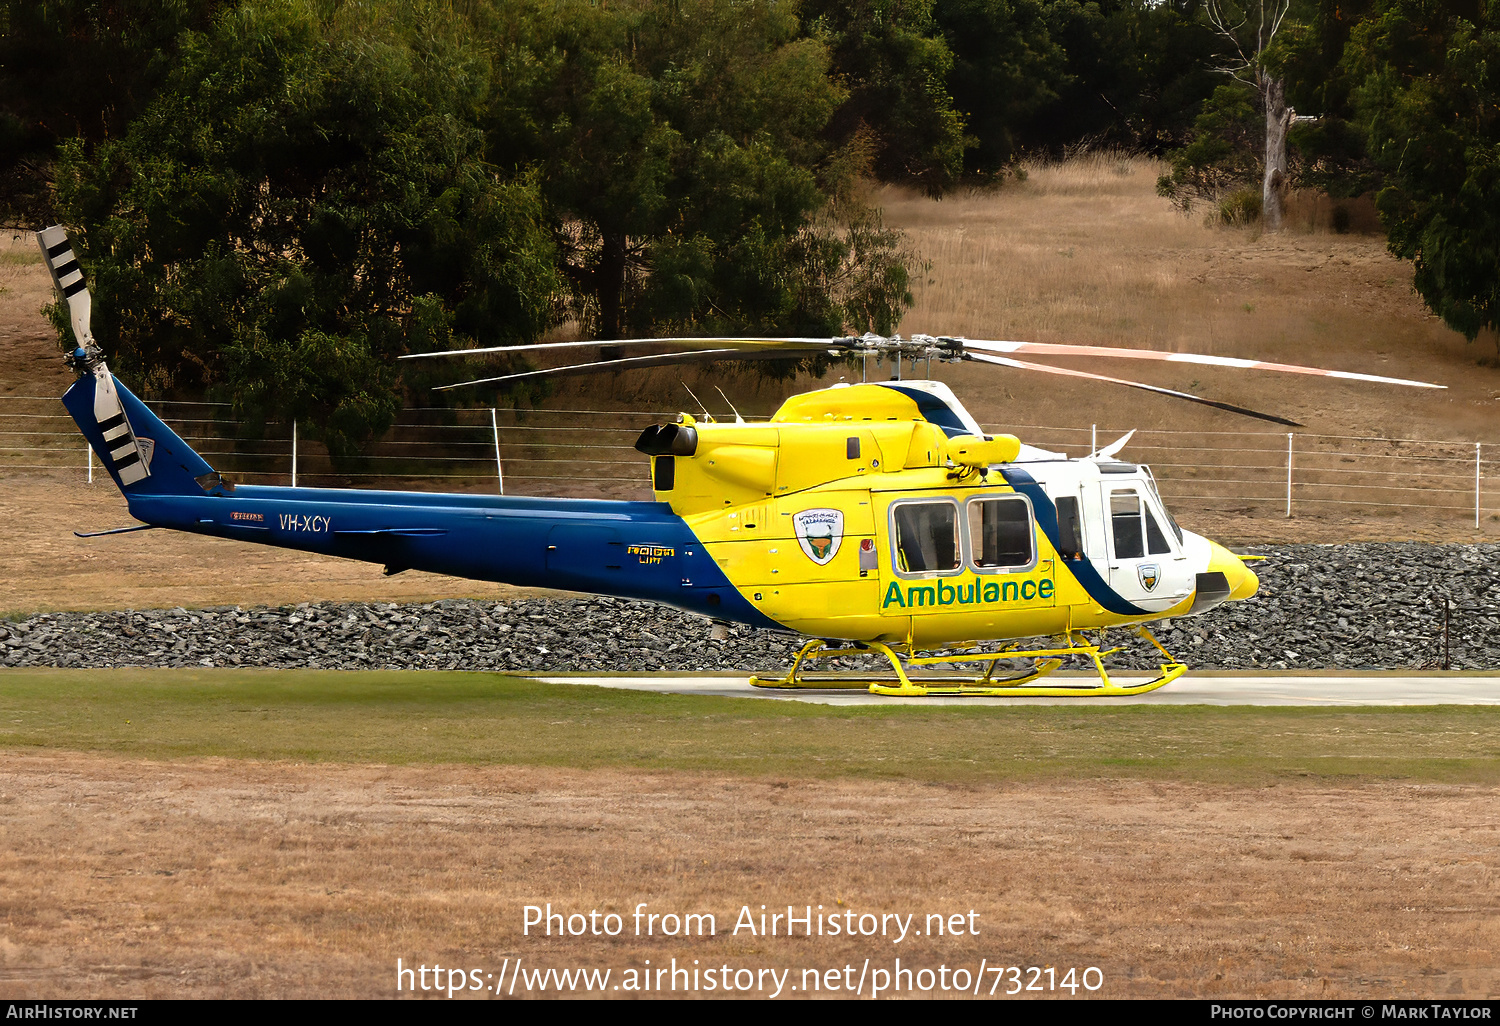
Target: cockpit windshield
{"type": "Point", "coordinates": [1156, 494]}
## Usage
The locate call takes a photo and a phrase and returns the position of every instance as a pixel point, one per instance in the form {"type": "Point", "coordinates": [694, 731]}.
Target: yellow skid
{"type": "Point", "coordinates": [901, 683]}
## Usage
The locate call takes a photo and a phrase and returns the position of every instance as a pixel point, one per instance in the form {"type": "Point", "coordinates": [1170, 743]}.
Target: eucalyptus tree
{"type": "Point", "coordinates": [306, 199]}
{"type": "Point", "coordinates": [1428, 97]}
{"type": "Point", "coordinates": [1248, 29]}
{"type": "Point", "coordinates": [684, 152]}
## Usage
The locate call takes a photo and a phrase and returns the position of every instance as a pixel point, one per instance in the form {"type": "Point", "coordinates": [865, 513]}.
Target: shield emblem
{"type": "Point", "coordinates": [819, 532]}
{"type": "Point", "coordinates": [1149, 574]}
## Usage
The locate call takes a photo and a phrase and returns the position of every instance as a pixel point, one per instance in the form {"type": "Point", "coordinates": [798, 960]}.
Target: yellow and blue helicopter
{"type": "Point", "coordinates": [873, 519]}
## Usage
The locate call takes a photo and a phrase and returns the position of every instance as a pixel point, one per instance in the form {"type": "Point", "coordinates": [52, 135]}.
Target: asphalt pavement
{"type": "Point", "coordinates": [1193, 689]}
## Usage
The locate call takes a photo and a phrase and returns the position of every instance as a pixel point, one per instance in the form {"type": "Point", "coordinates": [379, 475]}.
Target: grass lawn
{"type": "Point", "coordinates": [436, 717]}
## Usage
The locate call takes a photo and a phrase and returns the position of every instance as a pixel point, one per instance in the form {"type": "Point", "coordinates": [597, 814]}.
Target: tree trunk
{"type": "Point", "coordinates": [1278, 119]}
{"type": "Point", "coordinates": [611, 284]}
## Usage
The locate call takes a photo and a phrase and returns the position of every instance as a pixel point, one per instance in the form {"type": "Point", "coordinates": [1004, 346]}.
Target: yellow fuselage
{"type": "Point", "coordinates": [804, 517]}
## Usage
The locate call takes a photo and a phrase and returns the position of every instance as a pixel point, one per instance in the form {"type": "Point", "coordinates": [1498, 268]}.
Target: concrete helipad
{"type": "Point", "coordinates": [1194, 689]}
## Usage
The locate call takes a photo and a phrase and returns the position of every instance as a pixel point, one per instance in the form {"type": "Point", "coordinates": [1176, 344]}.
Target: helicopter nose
{"type": "Point", "coordinates": [1242, 580]}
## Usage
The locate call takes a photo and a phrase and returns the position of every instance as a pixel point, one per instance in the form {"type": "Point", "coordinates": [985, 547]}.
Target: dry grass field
{"type": "Point", "coordinates": [122, 877]}
{"type": "Point", "coordinates": [1201, 853]}
{"type": "Point", "coordinates": [365, 817]}
{"type": "Point", "coordinates": [1085, 252]}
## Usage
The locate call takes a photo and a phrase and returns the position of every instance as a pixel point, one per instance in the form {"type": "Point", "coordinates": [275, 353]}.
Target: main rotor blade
{"type": "Point", "coordinates": [1110, 352]}
{"type": "Point", "coordinates": [1003, 361]}
{"type": "Point", "coordinates": [627, 363]}
{"type": "Point", "coordinates": [803, 343]}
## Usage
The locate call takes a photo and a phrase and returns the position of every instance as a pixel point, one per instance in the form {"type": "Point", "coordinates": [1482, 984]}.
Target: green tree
{"type": "Point", "coordinates": [1136, 73]}
{"type": "Point", "coordinates": [304, 201]}
{"type": "Point", "coordinates": [1222, 157]}
{"type": "Point", "coordinates": [1252, 55]}
{"type": "Point", "coordinates": [77, 69]}
{"type": "Point", "coordinates": [684, 157]}
{"type": "Point", "coordinates": [1429, 99]}
{"type": "Point", "coordinates": [895, 64]}
{"type": "Point", "coordinates": [1006, 70]}
{"type": "Point", "coordinates": [1324, 146]}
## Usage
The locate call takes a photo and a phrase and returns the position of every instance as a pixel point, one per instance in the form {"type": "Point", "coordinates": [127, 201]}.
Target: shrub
{"type": "Point", "coordinates": [1240, 207]}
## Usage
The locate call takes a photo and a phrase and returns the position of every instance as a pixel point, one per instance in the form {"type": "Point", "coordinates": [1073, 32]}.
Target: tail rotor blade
{"type": "Point", "coordinates": [57, 254]}
{"type": "Point", "coordinates": [124, 453]}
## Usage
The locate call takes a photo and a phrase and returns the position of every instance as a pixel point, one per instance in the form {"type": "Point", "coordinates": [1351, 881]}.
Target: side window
{"type": "Point", "coordinates": [926, 537]}
{"type": "Point", "coordinates": [1000, 533]}
{"type": "Point", "coordinates": [1125, 522]}
{"type": "Point", "coordinates": [1069, 530]}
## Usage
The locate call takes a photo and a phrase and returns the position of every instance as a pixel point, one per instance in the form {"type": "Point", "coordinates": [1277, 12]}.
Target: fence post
{"type": "Point", "coordinates": [90, 450]}
{"type": "Point", "coordinates": [1093, 439]}
{"type": "Point", "coordinates": [499, 471]}
{"type": "Point", "coordinates": [1447, 663]}
{"type": "Point", "coordinates": [1476, 485]}
{"type": "Point", "coordinates": [1288, 473]}
{"type": "Point", "coordinates": [294, 454]}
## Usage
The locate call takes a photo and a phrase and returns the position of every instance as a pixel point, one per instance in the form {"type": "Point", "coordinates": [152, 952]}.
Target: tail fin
{"type": "Point", "coordinates": [142, 454]}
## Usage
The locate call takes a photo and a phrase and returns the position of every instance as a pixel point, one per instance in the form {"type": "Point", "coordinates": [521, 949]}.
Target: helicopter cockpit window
{"type": "Point", "coordinates": [1171, 520]}
{"type": "Point", "coordinates": [1156, 541]}
{"type": "Point", "coordinates": [926, 537]}
{"type": "Point", "coordinates": [1000, 534]}
{"type": "Point", "coordinates": [1125, 520]}
{"type": "Point", "coordinates": [1136, 529]}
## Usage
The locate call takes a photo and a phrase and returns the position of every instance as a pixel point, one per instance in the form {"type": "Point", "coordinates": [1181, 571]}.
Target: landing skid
{"type": "Point", "coordinates": [902, 683]}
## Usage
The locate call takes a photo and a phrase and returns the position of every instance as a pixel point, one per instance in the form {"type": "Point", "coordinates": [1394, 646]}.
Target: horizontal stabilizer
{"type": "Point", "coordinates": [113, 530]}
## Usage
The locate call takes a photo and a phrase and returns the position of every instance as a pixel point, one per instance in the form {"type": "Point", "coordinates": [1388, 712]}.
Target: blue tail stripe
{"type": "Point", "coordinates": [933, 409]}
{"type": "Point", "coordinates": [572, 544]}
{"type": "Point", "coordinates": [1083, 569]}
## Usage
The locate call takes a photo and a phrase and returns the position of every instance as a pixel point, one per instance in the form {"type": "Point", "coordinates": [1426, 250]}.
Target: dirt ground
{"type": "Point", "coordinates": [126, 878]}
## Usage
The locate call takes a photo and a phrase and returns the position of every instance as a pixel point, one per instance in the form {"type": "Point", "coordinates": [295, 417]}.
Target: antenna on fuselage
{"type": "Point", "coordinates": [737, 418]}
{"type": "Point", "coordinates": [1110, 450]}
{"type": "Point", "coordinates": [709, 417]}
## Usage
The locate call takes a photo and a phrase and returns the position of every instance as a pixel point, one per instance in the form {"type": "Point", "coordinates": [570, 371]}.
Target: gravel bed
{"type": "Point", "coordinates": [1365, 606]}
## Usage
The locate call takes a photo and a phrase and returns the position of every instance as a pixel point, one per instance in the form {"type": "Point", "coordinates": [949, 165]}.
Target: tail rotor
{"type": "Point", "coordinates": [126, 455]}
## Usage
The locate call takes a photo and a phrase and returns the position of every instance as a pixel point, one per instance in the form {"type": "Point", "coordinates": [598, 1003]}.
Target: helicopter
{"type": "Point", "coordinates": [873, 519]}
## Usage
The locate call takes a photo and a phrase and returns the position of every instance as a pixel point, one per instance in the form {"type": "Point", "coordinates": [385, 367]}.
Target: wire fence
{"type": "Point", "coordinates": [590, 452]}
